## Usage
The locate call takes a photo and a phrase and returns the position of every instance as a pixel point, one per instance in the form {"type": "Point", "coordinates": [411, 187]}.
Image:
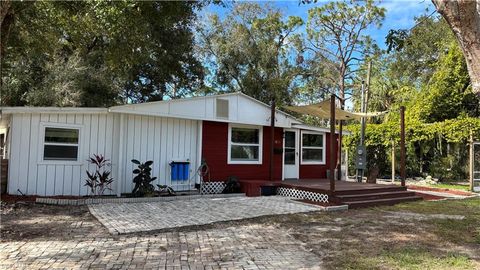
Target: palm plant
{"type": "Point", "coordinates": [99, 180]}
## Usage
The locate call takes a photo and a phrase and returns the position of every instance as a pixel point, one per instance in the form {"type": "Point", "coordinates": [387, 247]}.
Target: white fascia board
{"type": "Point", "coordinates": [320, 129]}
{"type": "Point", "coordinates": [13, 110]}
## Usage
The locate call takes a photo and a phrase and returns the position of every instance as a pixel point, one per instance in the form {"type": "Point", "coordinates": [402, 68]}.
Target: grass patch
{"type": "Point", "coordinates": [456, 231]}
{"type": "Point", "coordinates": [451, 186]}
{"type": "Point", "coordinates": [415, 258]}
{"type": "Point", "coordinates": [469, 206]}
{"type": "Point", "coordinates": [426, 250]}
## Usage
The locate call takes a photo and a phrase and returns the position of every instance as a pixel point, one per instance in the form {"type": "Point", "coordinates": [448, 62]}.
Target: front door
{"type": "Point", "coordinates": [290, 154]}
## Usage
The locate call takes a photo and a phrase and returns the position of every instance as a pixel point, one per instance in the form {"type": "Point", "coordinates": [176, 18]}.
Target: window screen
{"type": "Point", "coordinates": [312, 148]}
{"type": "Point", "coordinates": [245, 144]}
{"type": "Point", "coordinates": [60, 144]}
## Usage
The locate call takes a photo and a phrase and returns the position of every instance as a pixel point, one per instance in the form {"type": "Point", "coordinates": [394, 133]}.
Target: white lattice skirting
{"type": "Point", "coordinates": [212, 187]}
{"type": "Point", "coordinates": [302, 194]}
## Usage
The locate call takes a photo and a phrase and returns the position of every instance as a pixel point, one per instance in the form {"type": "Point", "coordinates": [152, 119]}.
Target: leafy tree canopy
{"type": "Point", "coordinates": [250, 50]}
{"type": "Point", "coordinates": [99, 53]}
{"type": "Point", "coordinates": [336, 38]}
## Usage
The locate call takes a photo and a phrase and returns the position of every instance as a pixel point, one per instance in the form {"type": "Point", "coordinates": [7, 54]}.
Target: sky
{"type": "Point", "coordinates": [400, 14]}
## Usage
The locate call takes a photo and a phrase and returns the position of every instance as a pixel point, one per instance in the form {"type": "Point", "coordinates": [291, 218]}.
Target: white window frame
{"type": "Point", "coordinates": [43, 126]}
{"type": "Point", "coordinates": [324, 149]}
{"type": "Point", "coordinates": [260, 144]}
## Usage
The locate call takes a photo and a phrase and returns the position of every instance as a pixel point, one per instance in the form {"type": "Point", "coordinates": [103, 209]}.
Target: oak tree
{"type": "Point", "coordinates": [463, 16]}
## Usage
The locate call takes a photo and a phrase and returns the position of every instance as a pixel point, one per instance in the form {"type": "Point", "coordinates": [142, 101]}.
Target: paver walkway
{"type": "Point", "coordinates": [120, 218]}
{"type": "Point", "coordinates": [244, 247]}
{"type": "Point", "coordinates": [68, 237]}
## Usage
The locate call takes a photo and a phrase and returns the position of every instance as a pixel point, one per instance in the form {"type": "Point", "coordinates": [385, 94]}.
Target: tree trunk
{"type": "Point", "coordinates": [6, 20]}
{"type": "Point", "coordinates": [373, 174]}
{"type": "Point", "coordinates": [463, 16]}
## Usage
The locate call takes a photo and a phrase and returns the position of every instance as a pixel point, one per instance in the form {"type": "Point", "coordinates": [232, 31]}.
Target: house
{"type": "Point", "coordinates": [47, 147]}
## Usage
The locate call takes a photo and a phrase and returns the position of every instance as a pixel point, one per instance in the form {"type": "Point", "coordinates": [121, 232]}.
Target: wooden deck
{"type": "Point", "coordinates": [341, 187]}
{"type": "Point", "coordinates": [353, 194]}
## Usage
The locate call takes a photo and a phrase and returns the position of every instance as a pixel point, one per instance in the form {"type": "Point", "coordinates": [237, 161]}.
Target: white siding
{"type": "Point", "coordinates": [28, 174]}
{"type": "Point", "coordinates": [162, 140]}
{"type": "Point", "coordinates": [145, 138]}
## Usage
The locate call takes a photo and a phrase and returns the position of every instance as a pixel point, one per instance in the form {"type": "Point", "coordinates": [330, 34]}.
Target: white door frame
{"type": "Point", "coordinates": [297, 153]}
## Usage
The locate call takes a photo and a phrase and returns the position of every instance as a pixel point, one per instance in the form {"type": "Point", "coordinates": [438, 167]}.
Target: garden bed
{"type": "Point", "coordinates": [444, 190]}
{"type": "Point", "coordinates": [7, 198]}
{"type": "Point", "coordinates": [93, 200]}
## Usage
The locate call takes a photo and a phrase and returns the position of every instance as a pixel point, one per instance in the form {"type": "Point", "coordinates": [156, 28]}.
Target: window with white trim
{"type": "Point", "coordinates": [61, 143]}
{"type": "Point", "coordinates": [245, 145]}
{"type": "Point", "coordinates": [313, 148]}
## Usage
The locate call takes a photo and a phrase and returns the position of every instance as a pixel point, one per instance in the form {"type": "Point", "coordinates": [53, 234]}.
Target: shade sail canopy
{"type": "Point", "coordinates": [322, 110]}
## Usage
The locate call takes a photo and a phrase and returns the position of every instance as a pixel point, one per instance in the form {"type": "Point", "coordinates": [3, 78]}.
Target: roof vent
{"type": "Point", "coordinates": [222, 108]}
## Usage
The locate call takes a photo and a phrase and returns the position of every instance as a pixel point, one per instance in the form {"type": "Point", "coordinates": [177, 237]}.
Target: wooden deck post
{"type": "Point", "coordinates": [403, 173]}
{"type": "Point", "coordinates": [272, 137]}
{"type": "Point", "coordinates": [339, 152]}
{"type": "Point", "coordinates": [393, 161]}
{"type": "Point", "coordinates": [332, 144]}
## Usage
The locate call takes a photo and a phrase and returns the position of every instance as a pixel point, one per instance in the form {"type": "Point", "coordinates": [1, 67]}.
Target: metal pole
{"type": "Point", "coordinates": [362, 108]}
{"type": "Point", "coordinates": [362, 130]}
{"type": "Point", "coordinates": [471, 169]}
{"type": "Point", "coordinates": [367, 91]}
{"type": "Point", "coordinates": [272, 136]}
{"type": "Point", "coordinates": [365, 104]}
{"type": "Point", "coordinates": [402, 145]}
{"type": "Point", "coordinates": [332, 144]}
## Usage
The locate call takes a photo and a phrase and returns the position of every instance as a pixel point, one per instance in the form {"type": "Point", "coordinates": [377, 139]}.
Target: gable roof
{"type": "Point", "coordinates": [241, 109]}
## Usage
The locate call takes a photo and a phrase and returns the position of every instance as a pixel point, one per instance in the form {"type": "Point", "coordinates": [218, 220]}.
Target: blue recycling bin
{"type": "Point", "coordinates": [173, 171]}
{"type": "Point", "coordinates": [186, 170]}
{"type": "Point", "coordinates": [179, 170]}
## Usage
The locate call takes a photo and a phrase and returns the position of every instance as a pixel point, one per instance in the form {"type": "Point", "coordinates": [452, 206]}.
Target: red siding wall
{"type": "Point", "coordinates": [214, 152]}
{"type": "Point", "coordinates": [319, 171]}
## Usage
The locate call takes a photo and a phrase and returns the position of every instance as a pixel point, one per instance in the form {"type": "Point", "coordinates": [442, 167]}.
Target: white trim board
{"type": "Point", "coordinates": [260, 145]}
{"type": "Point", "coordinates": [41, 143]}
{"type": "Point", "coordinates": [324, 149]}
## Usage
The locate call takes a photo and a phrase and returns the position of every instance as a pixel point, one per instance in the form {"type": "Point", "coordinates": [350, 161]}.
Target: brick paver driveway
{"type": "Point", "coordinates": [121, 218]}
{"type": "Point", "coordinates": [69, 237]}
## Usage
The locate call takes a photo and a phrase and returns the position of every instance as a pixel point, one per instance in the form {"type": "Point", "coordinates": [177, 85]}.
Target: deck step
{"type": "Point", "coordinates": [371, 190]}
{"type": "Point", "coordinates": [388, 201]}
{"type": "Point", "coordinates": [375, 196]}
{"type": "Point", "coordinates": [353, 191]}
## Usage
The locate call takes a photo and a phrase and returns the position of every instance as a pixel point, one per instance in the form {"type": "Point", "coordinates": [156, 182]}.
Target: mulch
{"type": "Point", "coordinates": [7, 198]}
